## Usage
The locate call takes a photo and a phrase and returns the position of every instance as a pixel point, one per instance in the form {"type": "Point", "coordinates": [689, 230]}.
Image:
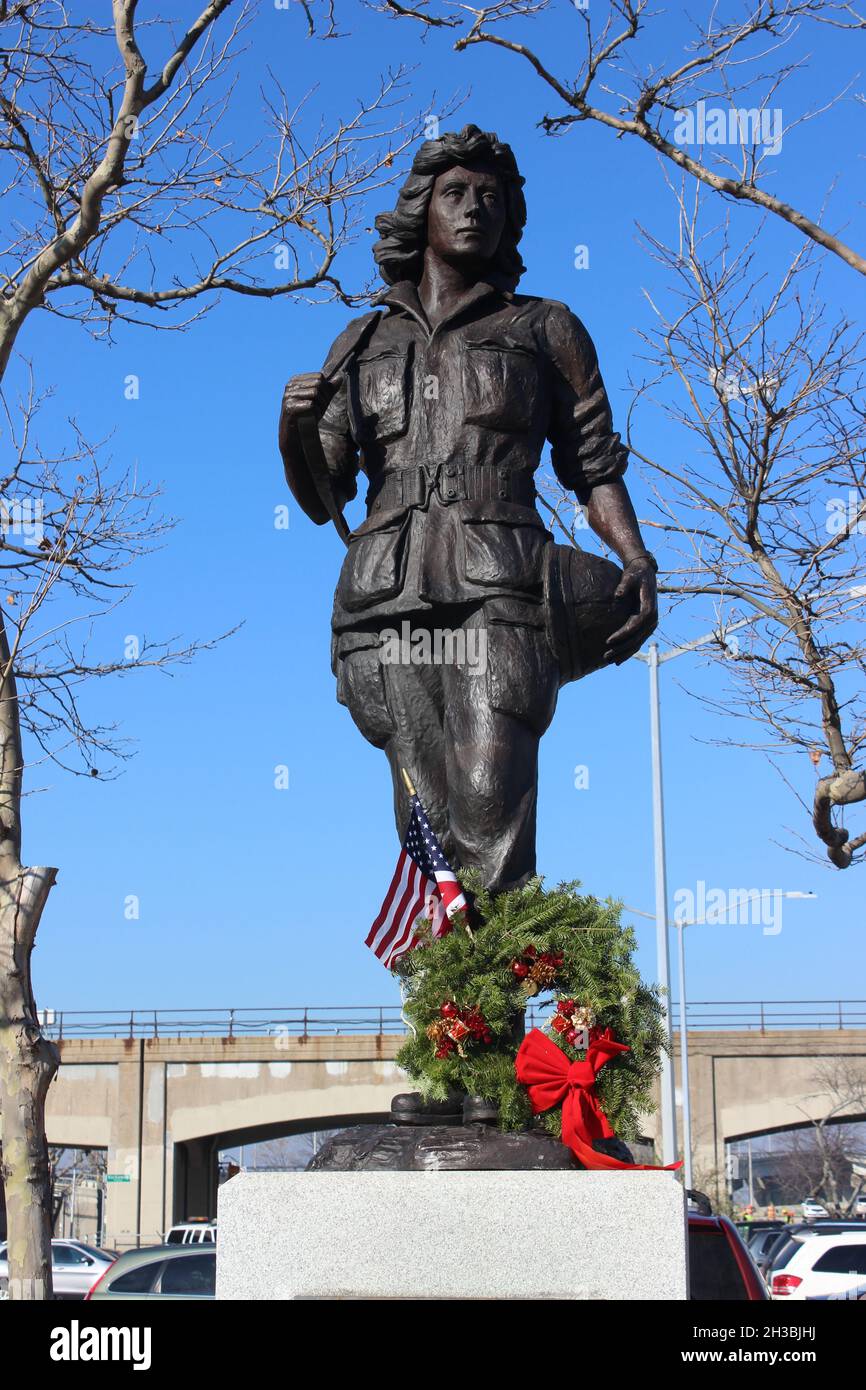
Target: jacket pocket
{"type": "Point", "coordinates": [362, 685]}
{"type": "Point", "coordinates": [381, 393]}
{"type": "Point", "coordinates": [502, 545]}
{"type": "Point", "coordinates": [375, 563]}
{"type": "Point", "coordinates": [500, 385]}
{"type": "Point", "coordinates": [522, 672]}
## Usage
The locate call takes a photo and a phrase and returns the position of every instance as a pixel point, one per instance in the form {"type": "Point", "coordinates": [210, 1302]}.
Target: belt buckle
{"type": "Point", "coordinates": [430, 473]}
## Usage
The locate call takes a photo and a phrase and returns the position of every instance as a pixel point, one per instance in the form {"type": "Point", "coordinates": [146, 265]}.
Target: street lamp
{"type": "Point", "coordinates": [663, 966]}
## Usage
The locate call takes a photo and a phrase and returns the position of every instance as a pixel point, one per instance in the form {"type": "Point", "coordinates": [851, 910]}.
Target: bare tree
{"type": "Point", "coordinates": [804, 1166]}
{"type": "Point", "coordinates": [765, 517]}
{"type": "Point", "coordinates": [126, 195]}
{"type": "Point", "coordinates": [620, 84]}
{"type": "Point", "coordinates": [822, 1156]}
{"type": "Point", "coordinates": [289, 1154]}
{"type": "Point", "coordinates": [69, 531]}
{"type": "Point", "coordinates": [70, 1167]}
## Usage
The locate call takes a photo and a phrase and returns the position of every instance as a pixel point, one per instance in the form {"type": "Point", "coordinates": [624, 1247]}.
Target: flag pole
{"type": "Point", "coordinates": [412, 792]}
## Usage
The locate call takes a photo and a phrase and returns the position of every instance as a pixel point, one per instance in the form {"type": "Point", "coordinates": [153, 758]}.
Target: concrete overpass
{"type": "Point", "coordinates": [163, 1106]}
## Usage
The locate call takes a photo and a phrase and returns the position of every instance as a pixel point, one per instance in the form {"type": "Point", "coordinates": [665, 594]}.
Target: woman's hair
{"type": "Point", "coordinates": [400, 253]}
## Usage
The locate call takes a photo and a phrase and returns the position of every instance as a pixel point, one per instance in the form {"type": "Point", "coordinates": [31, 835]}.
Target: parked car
{"type": "Point", "coordinates": [760, 1242]}
{"type": "Point", "coordinates": [75, 1267]}
{"type": "Point", "coordinates": [810, 1207]}
{"type": "Point", "coordinates": [720, 1266]}
{"type": "Point", "coordinates": [777, 1254]}
{"type": "Point", "coordinates": [748, 1231]}
{"type": "Point", "coordinates": [192, 1233]}
{"type": "Point", "coordinates": [159, 1271]}
{"type": "Point", "coordinates": [823, 1265]}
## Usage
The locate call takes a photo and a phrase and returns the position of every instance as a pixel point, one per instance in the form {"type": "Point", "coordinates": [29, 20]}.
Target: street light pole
{"type": "Point", "coordinates": [663, 965]}
{"type": "Point", "coordinates": [684, 1061]}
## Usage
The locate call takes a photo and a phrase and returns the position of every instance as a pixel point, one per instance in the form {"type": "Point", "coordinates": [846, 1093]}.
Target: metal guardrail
{"type": "Point", "coordinates": [761, 1016]}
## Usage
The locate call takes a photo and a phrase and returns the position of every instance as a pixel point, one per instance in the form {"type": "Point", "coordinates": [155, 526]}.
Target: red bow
{"type": "Point", "coordinates": [545, 1070]}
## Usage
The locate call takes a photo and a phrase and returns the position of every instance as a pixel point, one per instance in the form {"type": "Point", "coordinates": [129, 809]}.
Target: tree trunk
{"type": "Point", "coordinates": [28, 1063]}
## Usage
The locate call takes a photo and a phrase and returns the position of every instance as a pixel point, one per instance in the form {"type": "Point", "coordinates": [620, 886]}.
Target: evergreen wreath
{"type": "Point", "coordinates": [465, 996]}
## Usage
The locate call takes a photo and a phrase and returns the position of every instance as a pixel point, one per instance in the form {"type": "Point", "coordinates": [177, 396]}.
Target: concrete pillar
{"type": "Point", "coordinates": [137, 1207]}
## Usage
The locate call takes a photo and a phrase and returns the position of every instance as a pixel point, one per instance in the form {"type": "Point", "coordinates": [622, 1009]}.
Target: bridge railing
{"type": "Point", "coordinates": [764, 1015]}
{"type": "Point", "coordinates": [760, 1016]}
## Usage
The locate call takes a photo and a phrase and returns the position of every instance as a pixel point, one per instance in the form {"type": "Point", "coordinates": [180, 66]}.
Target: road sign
{"type": "Point", "coordinates": [117, 1177]}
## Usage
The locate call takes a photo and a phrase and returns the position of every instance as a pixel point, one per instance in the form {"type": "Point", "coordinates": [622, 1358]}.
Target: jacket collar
{"type": "Point", "coordinates": [404, 295]}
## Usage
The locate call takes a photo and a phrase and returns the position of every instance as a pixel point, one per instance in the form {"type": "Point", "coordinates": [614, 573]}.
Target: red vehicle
{"type": "Point", "coordinates": [720, 1266]}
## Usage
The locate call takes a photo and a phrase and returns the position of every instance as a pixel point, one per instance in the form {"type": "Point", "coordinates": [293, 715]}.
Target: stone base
{"type": "Point", "coordinates": [425, 1148]}
{"type": "Point", "coordinates": [445, 1234]}
{"type": "Point", "coordinates": [406, 1148]}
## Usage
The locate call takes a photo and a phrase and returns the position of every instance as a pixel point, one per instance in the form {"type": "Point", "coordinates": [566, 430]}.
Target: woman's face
{"type": "Point", "coordinates": [466, 216]}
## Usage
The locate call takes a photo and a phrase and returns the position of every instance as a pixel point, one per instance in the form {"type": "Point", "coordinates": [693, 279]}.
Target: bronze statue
{"type": "Point", "coordinates": [456, 617]}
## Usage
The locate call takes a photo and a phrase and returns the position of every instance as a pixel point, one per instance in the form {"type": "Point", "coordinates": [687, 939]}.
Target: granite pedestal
{"type": "Point", "coordinates": [446, 1234]}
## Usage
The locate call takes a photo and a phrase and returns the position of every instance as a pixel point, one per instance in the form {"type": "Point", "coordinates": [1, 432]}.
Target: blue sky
{"type": "Point", "coordinates": [253, 896]}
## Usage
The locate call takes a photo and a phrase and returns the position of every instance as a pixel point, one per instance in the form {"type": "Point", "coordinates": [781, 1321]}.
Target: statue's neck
{"type": "Point", "coordinates": [443, 285]}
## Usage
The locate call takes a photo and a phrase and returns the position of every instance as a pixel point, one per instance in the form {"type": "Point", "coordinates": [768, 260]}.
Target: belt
{"type": "Point", "coordinates": [455, 482]}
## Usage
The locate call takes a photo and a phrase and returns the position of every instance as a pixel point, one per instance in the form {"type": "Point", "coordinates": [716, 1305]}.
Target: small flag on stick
{"type": "Point", "coordinates": [423, 884]}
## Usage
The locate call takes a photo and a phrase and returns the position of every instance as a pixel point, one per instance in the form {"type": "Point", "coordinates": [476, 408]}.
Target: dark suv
{"type": "Point", "coordinates": [720, 1266]}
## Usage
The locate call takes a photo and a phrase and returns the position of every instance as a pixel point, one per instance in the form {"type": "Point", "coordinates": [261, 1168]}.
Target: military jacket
{"type": "Point", "coordinates": [448, 424]}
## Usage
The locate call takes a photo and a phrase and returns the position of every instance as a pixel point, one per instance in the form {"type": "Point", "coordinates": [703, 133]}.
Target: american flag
{"type": "Point", "coordinates": [423, 883]}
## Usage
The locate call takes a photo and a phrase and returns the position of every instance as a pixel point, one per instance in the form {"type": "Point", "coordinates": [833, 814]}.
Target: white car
{"type": "Point", "coordinates": [75, 1268]}
{"type": "Point", "coordinates": [828, 1266]}
{"type": "Point", "coordinates": [192, 1233]}
{"type": "Point", "coordinates": [813, 1208]}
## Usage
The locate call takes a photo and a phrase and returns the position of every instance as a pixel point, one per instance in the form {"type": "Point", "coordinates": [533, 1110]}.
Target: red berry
{"type": "Point", "coordinates": [572, 1036]}
{"type": "Point", "coordinates": [449, 1010]}
{"type": "Point", "coordinates": [567, 1007]}
{"type": "Point", "coordinates": [520, 969]}
{"type": "Point", "coordinates": [531, 952]}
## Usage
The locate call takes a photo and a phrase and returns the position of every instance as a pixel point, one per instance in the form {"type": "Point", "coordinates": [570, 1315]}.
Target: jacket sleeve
{"type": "Point", "coordinates": [338, 444]}
{"type": "Point", "coordinates": [585, 451]}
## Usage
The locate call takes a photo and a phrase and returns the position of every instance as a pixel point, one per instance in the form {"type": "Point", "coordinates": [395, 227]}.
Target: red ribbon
{"type": "Point", "coordinates": [546, 1072]}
